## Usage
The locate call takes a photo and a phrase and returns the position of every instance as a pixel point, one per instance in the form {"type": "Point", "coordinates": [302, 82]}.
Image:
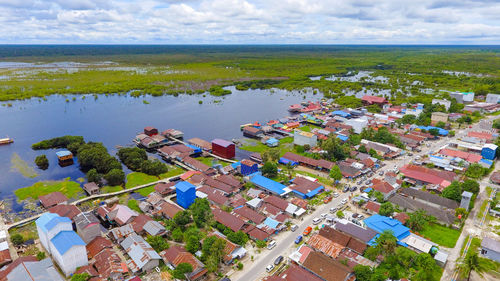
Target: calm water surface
{"type": "Point", "coordinates": [114, 120]}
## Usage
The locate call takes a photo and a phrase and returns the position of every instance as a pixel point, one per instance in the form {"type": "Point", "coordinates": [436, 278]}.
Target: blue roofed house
{"type": "Point", "coordinates": [248, 167]}
{"type": "Point", "coordinates": [341, 113]}
{"type": "Point", "coordinates": [272, 142]}
{"type": "Point", "coordinates": [305, 188]}
{"type": "Point", "coordinates": [269, 185]}
{"type": "Point", "coordinates": [49, 225]}
{"type": "Point", "coordinates": [69, 252]}
{"type": "Point", "coordinates": [380, 224]}
{"type": "Point", "coordinates": [489, 151]}
{"type": "Point", "coordinates": [186, 193]}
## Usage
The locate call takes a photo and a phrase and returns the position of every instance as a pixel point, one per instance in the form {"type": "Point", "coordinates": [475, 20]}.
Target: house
{"type": "Point", "coordinates": [120, 233]}
{"type": "Point", "coordinates": [269, 185]}
{"type": "Point", "coordinates": [252, 132]}
{"type": "Point", "coordinates": [165, 189]}
{"type": "Point", "coordinates": [231, 251]}
{"type": "Point", "coordinates": [173, 133]}
{"type": "Point", "coordinates": [223, 148]}
{"type": "Point", "coordinates": [250, 215]}
{"type": "Point", "coordinates": [489, 151]}
{"type": "Point", "coordinates": [443, 215]}
{"type": "Point", "coordinates": [343, 239]}
{"type": "Point", "coordinates": [303, 138]}
{"type": "Point", "coordinates": [384, 187]}
{"type": "Point", "coordinates": [69, 211]}
{"type": "Point", "coordinates": [439, 117]}
{"type": "Point", "coordinates": [424, 175]}
{"type": "Point", "coordinates": [121, 214]}
{"type": "Point", "coordinates": [293, 273]}
{"type": "Point", "coordinates": [203, 144]}
{"type": "Point", "coordinates": [186, 194]}
{"type": "Point", "coordinates": [68, 250]}
{"type": "Point", "coordinates": [445, 103]}
{"type": "Point", "coordinates": [492, 98]}
{"type": "Point", "coordinates": [49, 225]}
{"type": "Point", "coordinates": [65, 157]}
{"type": "Point", "coordinates": [402, 217]}
{"type": "Point", "coordinates": [483, 136]}
{"type": "Point", "coordinates": [369, 100]}
{"type": "Point", "coordinates": [357, 124]}
{"type": "Point", "coordinates": [150, 131]}
{"type": "Point", "coordinates": [490, 248]}
{"type": "Point", "coordinates": [91, 188]}
{"type": "Point", "coordinates": [227, 219]}
{"type": "Point", "coordinates": [109, 265]}
{"type": "Point", "coordinates": [87, 226]}
{"type": "Point", "coordinates": [169, 210]}
{"type": "Point", "coordinates": [97, 245]}
{"type": "Point", "coordinates": [5, 257]}
{"type": "Point", "coordinates": [272, 142]}
{"type": "Point", "coordinates": [429, 198]}
{"type": "Point", "coordinates": [380, 223]}
{"type": "Point", "coordinates": [176, 255]}
{"type": "Point", "coordinates": [28, 268]}
{"type": "Point", "coordinates": [248, 167]}
{"type": "Point", "coordinates": [463, 97]}
{"type": "Point", "coordinates": [154, 228]}
{"type": "Point", "coordinates": [139, 222]}
{"type": "Point", "coordinates": [213, 195]}
{"type": "Point", "coordinates": [142, 256]}
{"type": "Point", "coordinates": [52, 199]}
{"type": "Point", "coordinates": [326, 268]}
{"type": "Point", "coordinates": [384, 150]}
{"type": "Point", "coordinates": [305, 188]}
{"type": "Point", "coordinates": [372, 207]}
{"type": "Point", "coordinates": [462, 155]}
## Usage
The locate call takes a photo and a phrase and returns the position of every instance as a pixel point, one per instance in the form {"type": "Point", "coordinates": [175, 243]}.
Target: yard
{"type": "Point", "coordinates": [69, 188]}
{"type": "Point", "coordinates": [253, 145]}
{"type": "Point", "coordinates": [441, 235]}
{"type": "Point", "coordinates": [209, 161]}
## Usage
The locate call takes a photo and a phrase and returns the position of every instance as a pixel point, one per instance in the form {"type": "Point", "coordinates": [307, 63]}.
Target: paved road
{"type": "Point", "coordinates": [285, 244]}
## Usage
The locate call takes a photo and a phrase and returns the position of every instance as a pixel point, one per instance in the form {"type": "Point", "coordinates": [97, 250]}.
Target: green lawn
{"type": "Point", "coordinates": [441, 235]}
{"type": "Point", "coordinates": [134, 205]}
{"type": "Point", "coordinates": [208, 161]}
{"type": "Point", "coordinates": [308, 128]}
{"type": "Point", "coordinates": [322, 180]}
{"type": "Point", "coordinates": [109, 189]}
{"type": "Point", "coordinates": [172, 172]}
{"type": "Point", "coordinates": [254, 146]}
{"type": "Point", "coordinates": [69, 188]}
{"type": "Point", "coordinates": [138, 178]}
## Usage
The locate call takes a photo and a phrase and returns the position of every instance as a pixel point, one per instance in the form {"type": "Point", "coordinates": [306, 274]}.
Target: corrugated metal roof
{"type": "Point", "coordinates": [44, 219]}
{"type": "Point", "coordinates": [65, 240]}
{"type": "Point", "coordinates": [63, 153]}
{"type": "Point", "coordinates": [55, 221]}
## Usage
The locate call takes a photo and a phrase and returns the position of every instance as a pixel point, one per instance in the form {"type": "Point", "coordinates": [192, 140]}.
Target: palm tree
{"type": "Point", "coordinates": [472, 262]}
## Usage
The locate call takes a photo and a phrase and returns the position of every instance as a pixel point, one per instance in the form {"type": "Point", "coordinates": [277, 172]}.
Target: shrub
{"type": "Point", "coordinates": [42, 162]}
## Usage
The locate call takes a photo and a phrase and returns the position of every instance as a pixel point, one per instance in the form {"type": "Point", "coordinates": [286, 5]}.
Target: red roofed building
{"type": "Point", "coordinates": [169, 210]}
{"type": "Point", "coordinates": [52, 199]}
{"type": "Point", "coordinates": [176, 255]}
{"type": "Point", "coordinates": [481, 135]}
{"type": "Point", "coordinates": [402, 217]}
{"type": "Point", "coordinates": [97, 245]}
{"type": "Point", "coordinates": [227, 219]}
{"type": "Point", "coordinates": [373, 100]}
{"type": "Point", "coordinates": [384, 187]}
{"type": "Point", "coordinates": [63, 210]}
{"type": "Point", "coordinates": [372, 207]}
{"type": "Point", "coordinates": [469, 157]}
{"type": "Point", "coordinates": [428, 176]}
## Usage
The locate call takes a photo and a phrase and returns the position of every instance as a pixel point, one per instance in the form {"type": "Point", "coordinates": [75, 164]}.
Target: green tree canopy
{"type": "Point", "coordinates": [181, 270]}
{"type": "Point", "coordinates": [42, 162]}
{"type": "Point", "coordinates": [335, 173]}
{"type": "Point", "coordinates": [115, 177]}
{"type": "Point", "coordinates": [269, 170]}
{"type": "Point", "coordinates": [386, 209]}
{"type": "Point", "coordinates": [453, 191]}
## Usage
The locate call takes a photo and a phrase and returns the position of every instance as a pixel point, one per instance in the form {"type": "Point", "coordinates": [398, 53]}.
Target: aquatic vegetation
{"type": "Point", "coordinates": [69, 188]}
{"type": "Point", "coordinates": [21, 166]}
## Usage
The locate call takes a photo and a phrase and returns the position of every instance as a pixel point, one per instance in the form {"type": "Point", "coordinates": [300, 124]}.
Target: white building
{"type": "Point", "coordinates": [69, 252]}
{"type": "Point", "coordinates": [446, 103]}
{"type": "Point", "coordinates": [492, 98]}
{"type": "Point", "coordinates": [358, 124]}
{"type": "Point", "coordinates": [49, 225]}
{"type": "Point", "coordinates": [463, 97]}
{"type": "Point", "coordinates": [303, 138]}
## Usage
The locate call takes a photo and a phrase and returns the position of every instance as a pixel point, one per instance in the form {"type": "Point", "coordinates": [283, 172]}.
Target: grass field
{"type": "Point", "coordinates": [109, 189]}
{"type": "Point", "coordinates": [441, 235]}
{"type": "Point", "coordinates": [69, 188]}
{"type": "Point", "coordinates": [209, 160]}
{"type": "Point", "coordinates": [137, 178]}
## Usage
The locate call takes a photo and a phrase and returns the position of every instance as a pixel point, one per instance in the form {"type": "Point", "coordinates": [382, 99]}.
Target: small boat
{"type": "Point", "coordinates": [6, 141]}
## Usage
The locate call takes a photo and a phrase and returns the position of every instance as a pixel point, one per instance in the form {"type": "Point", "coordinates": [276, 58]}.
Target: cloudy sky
{"type": "Point", "coordinates": [250, 21]}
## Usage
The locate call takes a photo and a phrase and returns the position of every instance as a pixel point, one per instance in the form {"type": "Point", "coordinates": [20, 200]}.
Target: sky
{"type": "Point", "coordinates": [250, 22]}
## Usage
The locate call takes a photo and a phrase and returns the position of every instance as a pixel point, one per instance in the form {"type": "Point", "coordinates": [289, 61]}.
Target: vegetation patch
{"type": "Point", "coordinates": [138, 178]}
{"type": "Point", "coordinates": [441, 235]}
{"type": "Point", "coordinates": [69, 188]}
{"type": "Point", "coordinates": [21, 166]}
{"type": "Point", "coordinates": [109, 189]}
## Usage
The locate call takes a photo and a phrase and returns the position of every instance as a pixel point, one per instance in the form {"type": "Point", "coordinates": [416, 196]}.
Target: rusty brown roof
{"type": "Point", "coordinates": [227, 219]}
{"type": "Point", "coordinates": [97, 245]}
{"type": "Point", "coordinates": [63, 210]}
{"type": "Point", "coordinates": [52, 199]}
{"type": "Point", "coordinates": [326, 267]}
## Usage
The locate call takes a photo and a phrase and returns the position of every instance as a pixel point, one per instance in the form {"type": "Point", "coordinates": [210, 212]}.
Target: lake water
{"type": "Point", "coordinates": [115, 120]}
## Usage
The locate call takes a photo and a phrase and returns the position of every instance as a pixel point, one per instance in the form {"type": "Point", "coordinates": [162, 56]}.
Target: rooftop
{"type": "Point", "coordinates": [65, 240]}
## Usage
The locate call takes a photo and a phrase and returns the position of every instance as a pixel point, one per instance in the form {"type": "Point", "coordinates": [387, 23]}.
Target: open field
{"type": "Point", "coordinates": [441, 235]}
{"type": "Point", "coordinates": [159, 70]}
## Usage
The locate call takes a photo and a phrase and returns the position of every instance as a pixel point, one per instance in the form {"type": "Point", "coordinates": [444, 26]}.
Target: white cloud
{"type": "Point", "coordinates": [250, 21]}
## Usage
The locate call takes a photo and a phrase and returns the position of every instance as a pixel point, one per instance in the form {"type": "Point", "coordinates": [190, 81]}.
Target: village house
{"type": "Point", "coordinates": [52, 199]}
{"type": "Point", "coordinates": [25, 268]}
{"type": "Point", "coordinates": [176, 255]}
{"type": "Point", "coordinates": [87, 226]}
{"type": "Point", "coordinates": [142, 256]}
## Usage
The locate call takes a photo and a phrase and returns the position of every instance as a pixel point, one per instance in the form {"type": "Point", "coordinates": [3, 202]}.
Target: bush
{"type": "Point", "coordinates": [94, 176]}
{"type": "Point", "coordinates": [340, 214]}
{"type": "Point", "coordinates": [40, 256]}
{"type": "Point", "coordinates": [132, 157]}
{"type": "Point", "coordinates": [154, 168]}
{"type": "Point", "coordinates": [17, 239]}
{"type": "Point", "coordinates": [180, 271]}
{"type": "Point", "coordinates": [158, 243]}
{"type": "Point", "coordinates": [42, 162]}
{"type": "Point", "coordinates": [115, 177]}
{"type": "Point", "coordinates": [240, 266]}
{"type": "Point", "coordinates": [269, 170]}
{"type": "Point", "coordinates": [60, 142]}
{"type": "Point", "coordinates": [260, 243]}
{"type": "Point", "coordinates": [95, 155]}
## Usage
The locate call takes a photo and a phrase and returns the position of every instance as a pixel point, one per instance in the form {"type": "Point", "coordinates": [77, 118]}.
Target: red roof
{"type": "Point", "coordinates": [469, 157]}
{"type": "Point", "coordinates": [373, 99]}
{"type": "Point", "coordinates": [481, 135]}
{"type": "Point", "coordinates": [97, 245]}
{"type": "Point", "coordinates": [277, 202]}
{"type": "Point", "coordinates": [373, 206]}
{"type": "Point", "coordinates": [382, 186]}
{"type": "Point", "coordinates": [63, 210]}
{"type": "Point", "coordinates": [427, 175]}
{"type": "Point", "coordinates": [52, 199]}
{"type": "Point", "coordinates": [250, 214]}
{"type": "Point", "coordinates": [169, 210]}
{"type": "Point", "coordinates": [258, 234]}
{"type": "Point", "coordinates": [227, 219]}
{"type": "Point", "coordinates": [402, 217]}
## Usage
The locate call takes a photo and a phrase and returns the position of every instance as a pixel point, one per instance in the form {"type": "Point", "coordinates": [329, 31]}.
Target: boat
{"type": "Point", "coordinates": [6, 141]}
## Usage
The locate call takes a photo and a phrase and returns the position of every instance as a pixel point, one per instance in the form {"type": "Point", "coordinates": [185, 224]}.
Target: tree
{"type": "Point", "coordinates": [201, 212]}
{"type": "Point", "coordinates": [17, 239]}
{"type": "Point", "coordinates": [115, 177]}
{"type": "Point", "coordinates": [154, 168]}
{"type": "Point", "coordinates": [378, 196]}
{"type": "Point", "coordinates": [340, 214]}
{"type": "Point", "coordinates": [334, 149]}
{"type": "Point", "coordinates": [373, 152]}
{"type": "Point", "coordinates": [181, 270]}
{"type": "Point", "coordinates": [348, 101]}
{"type": "Point", "coordinates": [418, 220]}
{"type": "Point", "coordinates": [182, 218]}
{"type": "Point", "coordinates": [434, 131]}
{"type": "Point", "coordinates": [451, 133]}
{"type": "Point", "coordinates": [269, 170]}
{"type": "Point", "coordinates": [192, 244]}
{"type": "Point", "coordinates": [240, 266]}
{"type": "Point", "coordinates": [94, 176]}
{"type": "Point", "coordinates": [271, 155]}
{"type": "Point", "coordinates": [426, 265]}
{"type": "Point", "coordinates": [496, 124]}
{"type": "Point", "coordinates": [470, 263]}
{"type": "Point", "coordinates": [80, 277]}
{"type": "Point", "coordinates": [453, 191]}
{"type": "Point", "coordinates": [132, 157]}
{"type": "Point", "coordinates": [363, 272]}
{"type": "Point", "coordinates": [335, 173]}
{"type": "Point", "coordinates": [362, 149]}
{"type": "Point", "coordinates": [40, 256]}
{"type": "Point", "coordinates": [158, 243]}
{"type": "Point", "coordinates": [177, 235]}
{"type": "Point", "coordinates": [386, 243]}
{"type": "Point", "coordinates": [260, 243]}
{"type": "Point", "coordinates": [386, 209]}
{"type": "Point", "coordinates": [42, 162]}
{"type": "Point", "coordinates": [216, 251]}
{"type": "Point", "coordinates": [476, 171]}
{"type": "Point", "coordinates": [239, 237]}
{"type": "Point", "coordinates": [470, 186]}
{"type": "Point", "coordinates": [460, 212]}
{"type": "Point", "coordinates": [441, 124]}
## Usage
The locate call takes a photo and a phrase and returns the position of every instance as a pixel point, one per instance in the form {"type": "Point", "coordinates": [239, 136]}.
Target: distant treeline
{"type": "Point", "coordinates": [71, 143]}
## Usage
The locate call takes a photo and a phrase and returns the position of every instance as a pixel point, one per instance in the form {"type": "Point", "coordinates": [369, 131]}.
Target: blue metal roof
{"type": "Point", "coordinates": [64, 240]}
{"type": "Point", "coordinates": [195, 148]}
{"type": "Point", "coordinates": [44, 219]}
{"type": "Point", "coordinates": [271, 223]}
{"type": "Point", "coordinates": [268, 184]}
{"type": "Point", "coordinates": [272, 140]}
{"type": "Point", "coordinates": [285, 161]}
{"type": "Point", "coordinates": [342, 137]}
{"type": "Point", "coordinates": [55, 221]}
{"type": "Point", "coordinates": [441, 131]}
{"type": "Point", "coordinates": [236, 165]}
{"type": "Point", "coordinates": [381, 223]}
{"type": "Point", "coordinates": [341, 113]}
{"type": "Point", "coordinates": [63, 153]}
{"type": "Point", "coordinates": [184, 186]}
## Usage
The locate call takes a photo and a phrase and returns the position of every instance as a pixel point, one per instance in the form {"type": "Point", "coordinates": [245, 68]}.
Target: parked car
{"type": "Point", "coordinates": [323, 215]}
{"type": "Point", "coordinates": [333, 210]}
{"type": "Point", "coordinates": [381, 173]}
{"type": "Point", "coordinates": [327, 199]}
{"type": "Point", "coordinates": [344, 201]}
{"type": "Point", "coordinates": [294, 227]}
{"type": "Point", "coordinates": [360, 217]}
{"type": "Point", "coordinates": [271, 244]}
{"type": "Point", "coordinates": [410, 154]}
{"type": "Point", "coordinates": [316, 221]}
{"type": "Point", "coordinates": [354, 188]}
{"type": "Point", "coordinates": [346, 189]}
{"type": "Point", "coordinates": [360, 182]}
{"type": "Point", "coordinates": [278, 260]}
{"type": "Point", "coordinates": [336, 194]}
{"type": "Point", "coordinates": [270, 268]}
{"type": "Point", "coordinates": [356, 221]}
{"type": "Point", "coordinates": [368, 182]}
{"type": "Point", "coordinates": [298, 239]}
{"type": "Point", "coordinates": [307, 231]}
{"type": "Point", "coordinates": [355, 215]}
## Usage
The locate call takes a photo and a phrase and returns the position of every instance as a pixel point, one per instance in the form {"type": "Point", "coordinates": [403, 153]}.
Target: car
{"type": "Point", "coordinates": [333, 210]}
{"type": "Point", "coordinates": [360, 182]}
{"type": "Point", "coordinates": [324, 215]}
{"type": "Point", "coordinates": [294, 227]}
{"type": "Point", "coordinates": [269, 268]}
{"type": "Point", "coordinates": [278, 260]}
{"type": "Point", "coordinates": [316, 221]}
{"type": "Point", "coordinates": [271, 244]}
{"type": "Point", "coordinates": [360, 217]}
{"type": "Point", "coordinates": [354, 188]}
{"type": "Point", "coordinates": [355, 215]}
{"type": "Point", "coordinates": [327, 199]}
{"type": "Point", "coordinates": [368, 182]}
{"type": "Point", "coordinates": [336, 194]}
{"type": "Point", "coordinates": [307, 231]}
{"type": "Point", "coordinates": [298, 239]}
{"type": "Point", "coordinates": [346, 189]}
{"type": "Point", "coordinates": [355, 221]}
{"type": "Point", "coordinates": [410, 154]}
{"type": "Point", "coordinates": [381, 173]}
{"type": "Point", "coordinates": [344, 201]}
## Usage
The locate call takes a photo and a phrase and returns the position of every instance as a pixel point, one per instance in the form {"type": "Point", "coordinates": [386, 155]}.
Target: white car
{"type": "Point", "coordinates": [316, 220]}
{"type": "Point", "coordinates": [344, 201]}
{"type": "Point", "coordinates": [323, 216]}
{"type": "Point", "coordinates": [270, 268]}
{"type": "Point", "coordinates": [294, 227]}
{"type": "Point", "coordinates": [335, 194]}
{"type": "Point", "coordinates": [271, 244]}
